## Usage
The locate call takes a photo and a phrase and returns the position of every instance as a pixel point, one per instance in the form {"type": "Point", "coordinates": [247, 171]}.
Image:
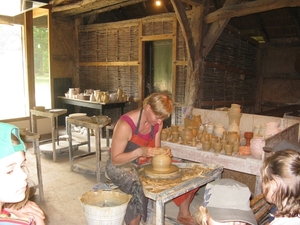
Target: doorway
{"type": "Point", "coordinates": [158, 68]}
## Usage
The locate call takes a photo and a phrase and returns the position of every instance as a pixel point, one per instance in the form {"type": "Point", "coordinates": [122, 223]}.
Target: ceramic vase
{"type": "Point", "coordinates": [256, 147]}
{"type": "Point", "coordinates": [164, 135]}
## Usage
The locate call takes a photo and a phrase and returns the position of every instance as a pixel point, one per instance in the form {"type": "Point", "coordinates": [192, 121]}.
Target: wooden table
{"type": "Point", "coordinates": [244, 164]}
{"type": "Point", "coordinates": [185, 186]}
{"type": "Point", "coordinates": [34, 138]}
{"type": "Point", "coordinates": [75, 162]}
{"type": "Point", "coordinates": [53, 115]}
{"type": "Point", "coordinates": [93, 104]}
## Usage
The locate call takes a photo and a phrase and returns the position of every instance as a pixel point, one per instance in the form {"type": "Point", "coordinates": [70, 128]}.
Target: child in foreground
{"type": "Point", "coordinates": [14, 205]}
{"type": "Point", "coordinates": [226, 202]}
{"type": "Point", "coordinates": [280, 174]}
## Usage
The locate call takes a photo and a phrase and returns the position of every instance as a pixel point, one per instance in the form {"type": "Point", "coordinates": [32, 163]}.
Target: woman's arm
{"type": "Point", "coordinates": [121, 136]}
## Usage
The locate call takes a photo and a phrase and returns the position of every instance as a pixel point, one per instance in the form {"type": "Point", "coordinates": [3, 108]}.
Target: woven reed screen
{"type": "Point", "coordinates": [157, 27]}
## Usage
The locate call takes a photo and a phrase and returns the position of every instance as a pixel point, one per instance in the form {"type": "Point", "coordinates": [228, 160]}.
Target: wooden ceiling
{"type": "Point", "coordinates": [275, 22]}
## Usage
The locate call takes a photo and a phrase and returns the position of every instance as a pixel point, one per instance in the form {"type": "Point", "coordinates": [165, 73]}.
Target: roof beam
{"type": "Point", "coordinates": [247, 8]}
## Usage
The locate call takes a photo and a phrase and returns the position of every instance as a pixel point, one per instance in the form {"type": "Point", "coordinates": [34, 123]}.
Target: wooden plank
{"type": "Point", "coordinates": [129, 63]}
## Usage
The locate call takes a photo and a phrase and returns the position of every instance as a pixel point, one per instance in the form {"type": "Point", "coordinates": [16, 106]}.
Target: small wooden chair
{"type": "Point", "coordinates": [261, 209]}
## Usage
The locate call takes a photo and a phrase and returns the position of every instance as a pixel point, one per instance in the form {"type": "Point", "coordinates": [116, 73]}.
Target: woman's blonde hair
{"type": "Point", "coordinates": [283, 167]}
{"type": "Point", "coordinates": [160, 103]}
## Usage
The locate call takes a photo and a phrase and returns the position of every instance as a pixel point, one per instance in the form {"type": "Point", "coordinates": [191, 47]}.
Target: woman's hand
{"type": "Point", "coordinates": [31, 209]}
{"type": "Point", "coordinates": [151, 152]}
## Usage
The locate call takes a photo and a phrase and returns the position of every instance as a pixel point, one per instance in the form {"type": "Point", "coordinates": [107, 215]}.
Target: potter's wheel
{"type": "Point", "coordinates": [172, 172]}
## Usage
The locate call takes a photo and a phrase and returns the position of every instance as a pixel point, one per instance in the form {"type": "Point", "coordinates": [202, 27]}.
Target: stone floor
{"type": "Point", "coordinates": [62, 187]}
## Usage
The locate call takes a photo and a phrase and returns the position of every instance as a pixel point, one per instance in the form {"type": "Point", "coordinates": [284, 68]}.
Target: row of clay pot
{"type": "Point", "coordinates": [229, 148]}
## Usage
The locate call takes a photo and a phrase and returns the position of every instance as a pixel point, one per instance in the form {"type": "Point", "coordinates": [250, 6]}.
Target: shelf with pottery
{"type": "Point", "coordinates": [245, 163]}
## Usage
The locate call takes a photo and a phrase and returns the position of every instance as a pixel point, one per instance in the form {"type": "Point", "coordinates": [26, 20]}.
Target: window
{"type": "Point", "coordinates": [13, 79]}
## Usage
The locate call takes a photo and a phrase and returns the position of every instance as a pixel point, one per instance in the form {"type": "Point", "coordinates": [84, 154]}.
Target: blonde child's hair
{"type": "Point", "coordinates": [202, 217]}
{"type": "Point", "coordinates": [283, 167]}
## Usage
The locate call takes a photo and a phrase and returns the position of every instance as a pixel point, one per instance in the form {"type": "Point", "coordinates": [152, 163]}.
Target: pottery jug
{"type": "Point", "coordinates": [161, 162]}
{"type": "Point", "coordinates": [256, 146]}
{"type": "Point", "coordinates": [218, 130]}
{"type": "Point", "coordinates": [271, 129]}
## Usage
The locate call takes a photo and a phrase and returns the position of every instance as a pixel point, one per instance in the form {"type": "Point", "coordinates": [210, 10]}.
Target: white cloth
{"type": "Point", "coordinates": [286, 221]}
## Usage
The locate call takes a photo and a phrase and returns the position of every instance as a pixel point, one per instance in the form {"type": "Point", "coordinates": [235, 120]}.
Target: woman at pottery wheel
{"type": "Point", "coordinates": [136, 138]}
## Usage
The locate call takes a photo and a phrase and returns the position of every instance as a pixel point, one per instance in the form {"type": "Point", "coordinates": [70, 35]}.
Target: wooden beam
{"type": "Point", "coordinates": [215, 31]}
{"type": "Point", "coordinates": [185, 27]}
{"type": "Point", "coordinates": [248, 8]}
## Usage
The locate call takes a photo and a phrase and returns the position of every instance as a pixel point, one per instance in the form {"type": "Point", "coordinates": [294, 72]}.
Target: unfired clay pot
{"type": "Point", "coordinates": [161, 162]}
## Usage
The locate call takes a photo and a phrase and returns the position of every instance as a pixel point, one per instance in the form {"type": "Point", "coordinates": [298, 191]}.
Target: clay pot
{"type": "Point", "coordinates": [223, 142]}
{"type": "Point", "coordinates": [256, 147]}
{"type": "Point", "coordinates": [255, 129]}
{"type": "Point", "coordinates": [164, 135]}
{"type": "Point", "coordinates": [232, 136]}
{"type": "Point", "coordinates": [175, 136]}
{"type": "Point", "coordinates": [217, 146]}
{"type": "Point", "coordinates": [174, 128]}
{"type": "Point", "coordinates": [187, 136]}
{"type": "Point", "coordinates": [228, 148]}
{"type": "Point", "coordinates": [210, 128]}
{"type": "Point", "coordinates": [161, 162]}
{"type": "Point", "coordinates": [235, 109]}
{"type": "Point", "coordinates": [271, 129]}
{"type": "Point", "coordinates": [236, 146]}
{"type": "Point", "coordinates": [234, 127]}
{"type": "Point", "coordinates": [206, 145]}
{"type": "Point", "coordinates": [218, 130]}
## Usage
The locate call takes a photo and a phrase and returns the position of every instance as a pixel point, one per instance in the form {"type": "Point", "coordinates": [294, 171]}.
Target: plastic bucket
{"type": "Point", "coordinates": [104, 207]}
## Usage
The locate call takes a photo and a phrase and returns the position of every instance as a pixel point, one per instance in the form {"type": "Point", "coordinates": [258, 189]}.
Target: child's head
{"type": "Point", "coordinates": [280, 174]}
{"type": "Point", "coordinates": [12, 159]}
{"type": "Point", "coordinates": [226, 201]}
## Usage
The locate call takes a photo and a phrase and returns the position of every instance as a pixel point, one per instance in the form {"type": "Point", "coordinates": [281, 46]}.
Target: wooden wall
{"type": "Point", "coordinates": [111, 56]}
{"type": "Point", "coordinates": [279, 79]}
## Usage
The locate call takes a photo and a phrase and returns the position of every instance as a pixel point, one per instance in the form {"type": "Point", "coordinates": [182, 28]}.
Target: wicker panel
{"type": "Point", "coordinates": [87, 46]}
{"type": "Point", "coordinates": [157, 27]}
{"type": "Point", "coordinates": [180, 83]}
{"type": "Point", "coordinates": [181, 52]}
